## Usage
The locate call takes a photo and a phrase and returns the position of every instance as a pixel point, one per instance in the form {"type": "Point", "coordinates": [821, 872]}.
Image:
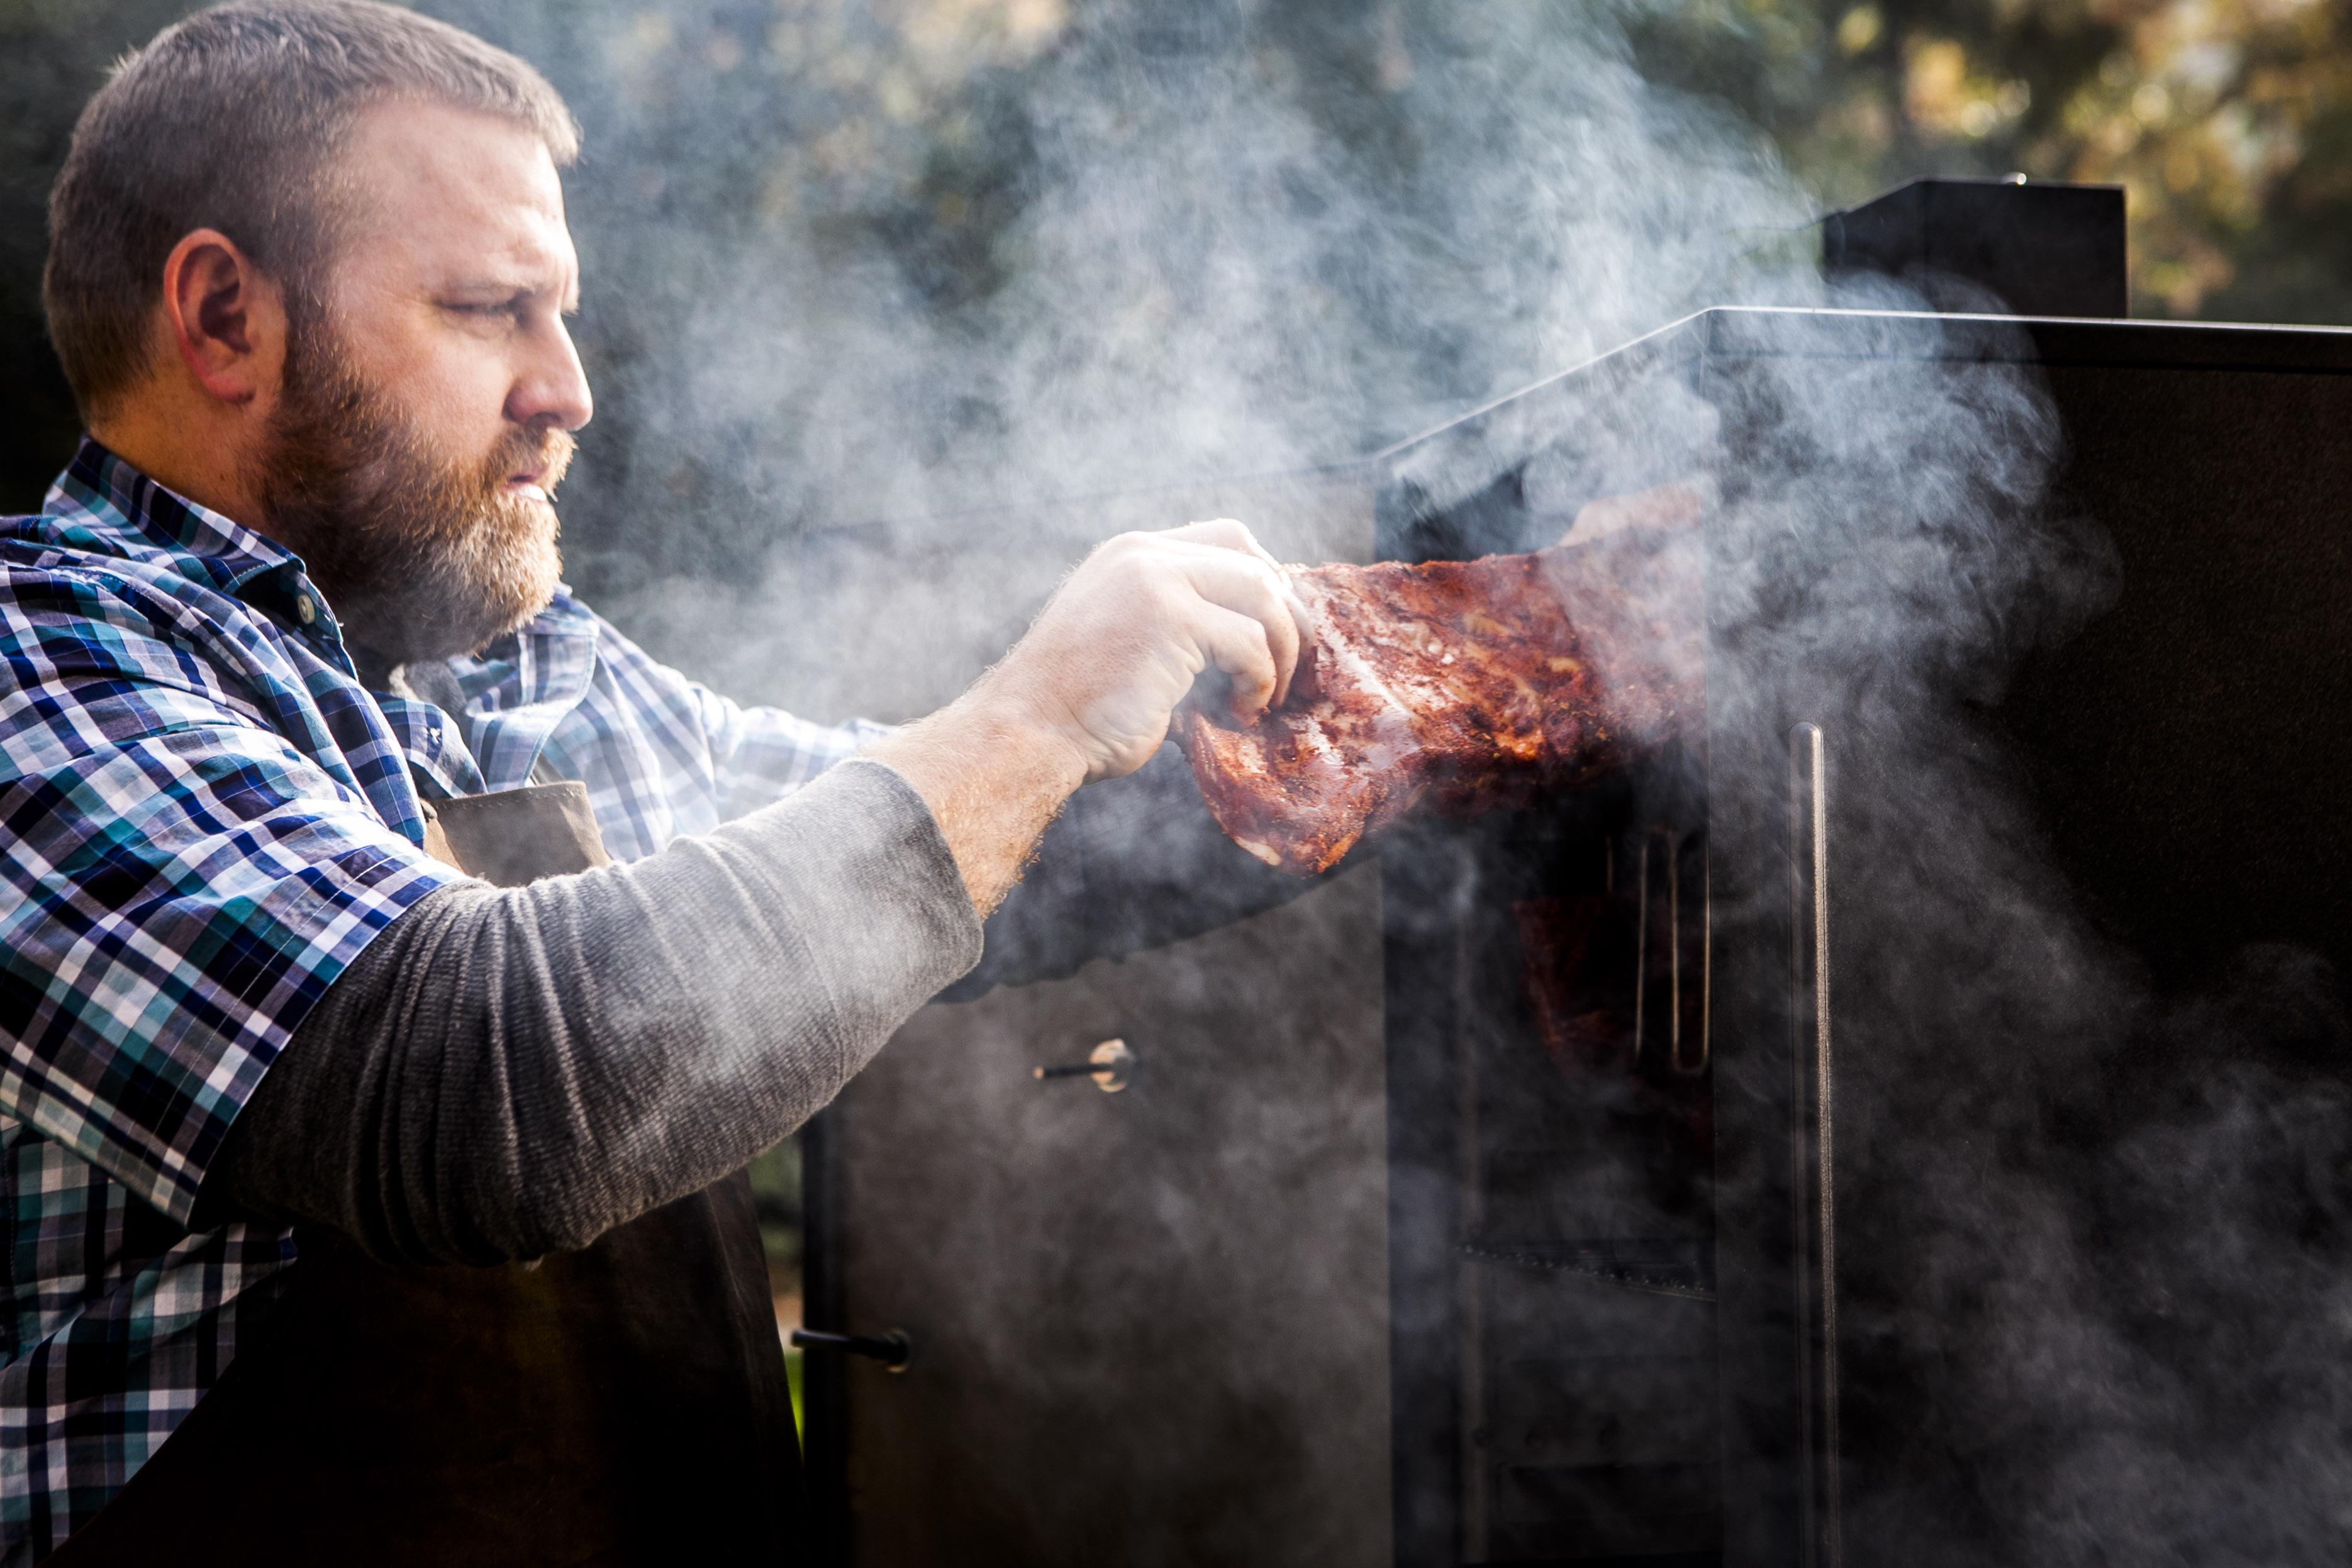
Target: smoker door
{"type": "Point", "coordinates": [1147, 1326]}
{"type": "Point", "coordinates": [2120, 777]}
{"type": "Point", "coordinates": [2176, 762]}
{"type": "Point", "coordinates": [2103, 829]}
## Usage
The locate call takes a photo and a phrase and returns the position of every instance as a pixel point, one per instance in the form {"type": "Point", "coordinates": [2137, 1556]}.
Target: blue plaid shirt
{"type": "Point", "coordinates": [204, 817]}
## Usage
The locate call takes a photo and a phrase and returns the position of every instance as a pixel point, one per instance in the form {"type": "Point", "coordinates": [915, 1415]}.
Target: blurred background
{"type": "Point", "coordinates": [812, 158]}
{"type": "Point", "coordinates": [850, 263]}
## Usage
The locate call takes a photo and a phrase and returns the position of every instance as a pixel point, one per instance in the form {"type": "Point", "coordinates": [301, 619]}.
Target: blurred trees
{"type": "Point", "coordinates": [2228, 122]}
{"type": "Point", "coordinates": [841, 153]}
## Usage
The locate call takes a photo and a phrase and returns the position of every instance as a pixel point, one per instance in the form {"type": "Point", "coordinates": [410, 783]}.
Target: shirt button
{"type": "Point", "coordinates": [306, 608]}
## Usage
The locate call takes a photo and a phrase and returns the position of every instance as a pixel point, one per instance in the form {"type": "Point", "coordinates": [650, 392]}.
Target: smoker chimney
{"type": "Point", "coordinates": [2043, 249]}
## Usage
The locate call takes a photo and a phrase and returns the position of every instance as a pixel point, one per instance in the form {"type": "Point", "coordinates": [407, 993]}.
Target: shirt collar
{"type": "Point", "coordinates": [100, 494]}
{"type": "Point", "coordinates": [523, 685]}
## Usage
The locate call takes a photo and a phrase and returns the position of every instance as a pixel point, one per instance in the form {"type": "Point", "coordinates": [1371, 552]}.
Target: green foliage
{"type": "Point", "coordinates": [825, 165]}
{"type": "Point", "coordinates": [2228, 122]}
{"type": "Point", "coordinates": [776, 1196]}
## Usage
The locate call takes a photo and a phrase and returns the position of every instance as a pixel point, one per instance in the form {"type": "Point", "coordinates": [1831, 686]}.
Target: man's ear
{"type": "Point", "coordinates": [226, 319]}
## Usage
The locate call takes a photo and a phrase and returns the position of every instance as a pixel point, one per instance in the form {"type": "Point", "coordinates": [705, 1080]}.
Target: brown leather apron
{"type": "Point", "coordinates": [621, 1405]}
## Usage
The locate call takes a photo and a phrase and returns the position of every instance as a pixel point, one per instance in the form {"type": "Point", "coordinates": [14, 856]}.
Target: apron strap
{"type": "Point", "coordinates": [515, 836]}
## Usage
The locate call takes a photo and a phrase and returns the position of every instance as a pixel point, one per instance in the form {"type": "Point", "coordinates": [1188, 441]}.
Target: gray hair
{"type": "Point", "coordinates": [231, 120]}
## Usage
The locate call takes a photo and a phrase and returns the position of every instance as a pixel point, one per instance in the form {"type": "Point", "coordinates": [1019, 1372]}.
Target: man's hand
{"type": "Point", "coordinates": [1089, 691]}
{"type": "Point", "coordinates": [1136, 625]}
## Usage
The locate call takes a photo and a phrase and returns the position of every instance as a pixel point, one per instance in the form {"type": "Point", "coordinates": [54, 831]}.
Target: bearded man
{"type": "Point", "coordinates": [363, 1209]}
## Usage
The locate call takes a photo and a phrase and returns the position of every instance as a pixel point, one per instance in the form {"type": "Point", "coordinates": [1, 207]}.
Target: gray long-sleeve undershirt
{"type": "Point", "coordinates": [505, 1073]}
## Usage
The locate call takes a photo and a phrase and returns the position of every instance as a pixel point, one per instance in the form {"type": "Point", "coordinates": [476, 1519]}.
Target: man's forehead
{"type": "Point", "coordinates": [455, 192]}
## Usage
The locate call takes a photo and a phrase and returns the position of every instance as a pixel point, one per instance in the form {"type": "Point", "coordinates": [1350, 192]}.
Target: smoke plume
{"type": "Point", "coordinates": [897, 309]}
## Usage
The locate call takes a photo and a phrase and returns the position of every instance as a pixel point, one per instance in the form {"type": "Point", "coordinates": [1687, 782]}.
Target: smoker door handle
{"type": "Point", "coordinates": [894, 1350]}
{"type": "Point", "coordinates": [1111, 1067]}
{"type": "Point", "coordinates": [1814, 1105]}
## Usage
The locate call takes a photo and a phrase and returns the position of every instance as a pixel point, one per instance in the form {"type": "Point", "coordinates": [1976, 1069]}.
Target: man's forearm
{"type": "Point", "coordinates": [1130, 865]}
{"type": "Point", "coordinates": [507, 1072]}
{"type": "Point", "coordinates": [993, 778]}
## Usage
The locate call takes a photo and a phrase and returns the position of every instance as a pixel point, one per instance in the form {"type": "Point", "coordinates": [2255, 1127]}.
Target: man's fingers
{"type": "Point", "coordinates": [1247, 587]}
{"type": "Point", "coordinates": [1207, 595]}
{"type": "Point", "coordinates": [1226, 534]}
{"type": "Point", "coordinates": [1236, 644]}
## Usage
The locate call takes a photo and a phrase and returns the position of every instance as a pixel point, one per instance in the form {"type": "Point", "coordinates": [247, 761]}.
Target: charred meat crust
{"type": "Point", "coordinates": [1458, 687]}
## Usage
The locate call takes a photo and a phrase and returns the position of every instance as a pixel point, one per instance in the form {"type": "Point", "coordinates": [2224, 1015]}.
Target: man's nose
{"type": "Point", "coordinates": [553, 388]}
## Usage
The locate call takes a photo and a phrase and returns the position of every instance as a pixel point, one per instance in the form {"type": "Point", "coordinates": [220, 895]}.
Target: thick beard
{"type": "Point", "coordinates": [422, 556]}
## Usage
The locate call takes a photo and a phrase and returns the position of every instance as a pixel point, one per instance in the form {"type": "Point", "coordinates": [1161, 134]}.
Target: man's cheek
{"type": "Point", "coordinates": [464, 397]}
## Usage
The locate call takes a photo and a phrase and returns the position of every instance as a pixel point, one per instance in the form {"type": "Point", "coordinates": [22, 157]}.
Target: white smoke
{"type": "Point", "coordinates": [843, 469]}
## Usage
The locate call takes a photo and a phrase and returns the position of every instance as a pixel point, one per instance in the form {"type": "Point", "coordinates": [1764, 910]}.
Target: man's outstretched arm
{"type": "Point", "coordinates": [503, 1073]}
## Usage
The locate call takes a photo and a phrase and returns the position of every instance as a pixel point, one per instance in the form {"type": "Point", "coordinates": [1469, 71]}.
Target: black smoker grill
{"type": "Point", "coordinates": [1538, 1193]}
